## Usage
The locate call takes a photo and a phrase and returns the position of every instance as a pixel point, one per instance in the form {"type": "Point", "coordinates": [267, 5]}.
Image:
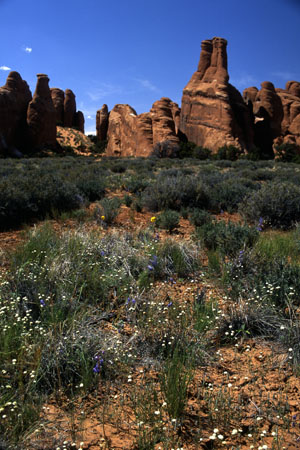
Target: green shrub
{"type": "Point", "coordinates": [109, 208]}
{"type": "Point", "coordinates": [175, 192]}
{"type": "Point", "coordinates": [199, 217]}
{"type": "Point", "coordinates": [201, 153]}
{"type": "Point", "coordinates": [174, 258]}
{"type": "Point", "coordinates": [229, 193]}
{"type": "Point", "coordinates": [277, 203]}
{"type": "Point", "coordinates": [287, 153]}
{"type": "Point", "coordinates": [229, 152]}
{"type": "Point", "coordinates": [127, 199]}
{"type": "Point", "coordinates": [274, 282]}
{"type": "Point", "coordinates": [228, 238]}
{"type": "Point", "coordinates": [168, 220]}
{"type": "Point", "coordinates": [92, 188]}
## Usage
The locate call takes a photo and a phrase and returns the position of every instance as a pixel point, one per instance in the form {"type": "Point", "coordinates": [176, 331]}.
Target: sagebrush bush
{"type": "Point", "coordinates": [25, 200]}
{"type": "Point", "coordinates": [168, 220]}
{"type": "Point", "coordinates": [107, 210]}
{"type": "Point", "coordinates": [229, 152]}
{"type": "Point", "coordinates": [277, 203]}
{"type": "Point", "coordinates": [175, 192]}
{"type": "Point", "coordinates": [287, 153]}
{"type": "Point", "coordinates": [228, 238]}
{"type": "Point", "coordinates": [199, 217]}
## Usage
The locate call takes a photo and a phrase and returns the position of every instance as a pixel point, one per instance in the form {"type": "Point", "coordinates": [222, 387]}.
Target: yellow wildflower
{"type": "Point", "coordinates": [102, 217]}
{"type": "Point", "coordinates": [153, 219]}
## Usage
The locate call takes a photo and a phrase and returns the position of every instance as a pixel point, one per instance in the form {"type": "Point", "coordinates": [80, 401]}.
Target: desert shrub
{"type": "Point", "coordinates": [191, 150]}
{"type": "Point", "coordinates": [99, 147]}
{"type": "Point", "coordinates": [201, 153]}
{"type": "Point", "coordinates": [25, 200]}
{"type": "Point", "coordinates": [228, 194]}
{"type": "Point", "coordinates": [186, 149]}
{"type": "Point", "coordinates": [229, 152]}
{"type": "Point", "coordinates": [165, 149]}
{"type": "Point", "coordinates": [91, 188]}
{"type": "Point", "coordinates": [247, 320]}
{"type": "Point", "coordinates": [175, 192]}
{"type": "Point", "coordinates": [199, 217]}
{"type": "Point", "coordinates": [175, 258]}
{"type": "Point", "coordinates": [135, 183]}
{"type": "Point", "coordinates": [119, 167]}
{"type": "Point", "coordinates": [277, 203]}
{"type": "Point", "coordinates": [262, 280]}
{"type": "Point", "coordinates": [127, 199]}
{"type": "Point", "coordinates": [137, 205]}
{"type": "Point", "coordinates": [168, 220]}
{"type": "Point", "coordinates": [228, 238]}
{"type": "Point", "coordinates": [107, 208]}
{"type": "Point", "coordinates": [287, 153]}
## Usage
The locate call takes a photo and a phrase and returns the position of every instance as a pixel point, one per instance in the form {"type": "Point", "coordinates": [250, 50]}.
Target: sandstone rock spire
{"type": "Point", "coordinates": [14, 98]}
{"type": "Point", "coordinates": [41, 116]}
{"type": "Point", "coordinates": [213, 113]}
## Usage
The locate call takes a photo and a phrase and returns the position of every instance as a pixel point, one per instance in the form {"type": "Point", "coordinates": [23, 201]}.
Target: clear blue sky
{"type": "Point", "coordinates": [136, 51]}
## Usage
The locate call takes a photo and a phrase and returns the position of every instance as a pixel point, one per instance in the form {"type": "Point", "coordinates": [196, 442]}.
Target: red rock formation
{"type": "Point", "coordinates": [213, 113]}
{"type": "Point", "coordinates": [293, 87]}
{"type": "Point", "coordinates": [79, 121]}
{"type": "Point", "coordinates": [41, 116]}
{"type": "Point", "coordinates": [163, 113]}
{"type": "Point", "coordinates": [268, 106]}
{"type": "Point", "coordinates": [58, 98]}
{"type": "Point", "coordinates": [14, 98]}
{"type": "Point", "coordinates": [130, 134]}
{"type": "Point", "coordinates": [121, 131]}
{"type": "Point", "coordinates": [249, 95]}
{"type": "Point", "coordinates": [102, 123]}
{"type": "Point", "coordinates": [69, 108]}
{"type": "Point", "coordinates": [144, 135]}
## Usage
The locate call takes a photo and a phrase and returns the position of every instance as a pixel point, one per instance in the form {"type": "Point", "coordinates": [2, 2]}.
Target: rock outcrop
{"type": "Point", "coordinates": [58, 98]}
{"type": "Point", "coordinates": [29, 123]}
{"type": "Point", "coordinates": [102, 123]}
{"type": "Point", "coordinates": [41, 116]}
{"type": "Point", "coordinates": [15, 96]}
{"type": "Point", "coordinates": [69, 108]}
{"type": "Point", "coordinates": [213, 113]}
{"type": "Point", "coordinates": [130, 134]}
{"type": "Point", "coordinates": [121, 131]}
{"type": "Point", "coordinates": [79, 121]}
{"type": "Point", "coordinates": [276, 115]}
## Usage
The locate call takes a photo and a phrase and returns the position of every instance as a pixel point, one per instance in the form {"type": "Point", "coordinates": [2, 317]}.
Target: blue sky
{"type": "Point", "coordinates": [136, 51]}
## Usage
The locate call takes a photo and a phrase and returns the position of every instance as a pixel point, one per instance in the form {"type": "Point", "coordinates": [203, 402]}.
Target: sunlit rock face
{"type": "Point", "coordinates": [129, 134]}
{"type": "Point", "coordinates": [213, 113]}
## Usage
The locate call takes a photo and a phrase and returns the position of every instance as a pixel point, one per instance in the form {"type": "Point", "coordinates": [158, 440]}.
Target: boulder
{"type": "Point", "coordinates": [41, 117]}
{"type": "Point", "coordinates": [58, 98]}
{"type": "Point", "coordinates": [69, 108]}
{"type": "Point", "coordinates": [213, 113]}
{"type": "Point", "coordinates": [102, 123]}
{"type": "Point", "coordinates": [15, 96]}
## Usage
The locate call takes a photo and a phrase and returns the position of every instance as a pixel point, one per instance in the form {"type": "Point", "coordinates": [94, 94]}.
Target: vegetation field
{"type": "Point", "coordinates": [149, 304]}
